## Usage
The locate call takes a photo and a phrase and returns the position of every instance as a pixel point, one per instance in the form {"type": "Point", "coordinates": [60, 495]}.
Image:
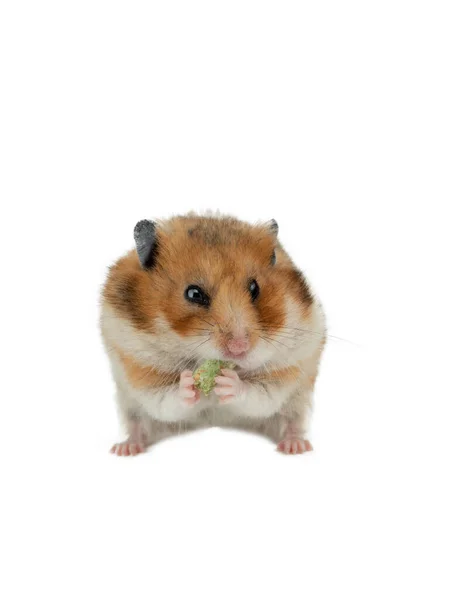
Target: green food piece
{"type": "Point", "coordinates": [204, 376]}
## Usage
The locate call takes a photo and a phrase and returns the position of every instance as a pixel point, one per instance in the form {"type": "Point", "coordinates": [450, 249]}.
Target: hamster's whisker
{"type": "Point", "coordinates": [208, 322]}
{"type": "Point", "coordinates": [274, 340]}
{"type": "Point", "coordinates": [293, 330]}
{"type": "Point", "coordinates": [201, 344]}
{"type": "Point", "coordinates": [198, 336]}
{"type": "Point", "coordinates": [291, 337]}
{"type": "Point", "coordinates": [269, 341]}
{"type": "Point", "coordinates": [179, 365]}
{"type": "Point", "coordinates": [288, 336]}
{"type": "Point", "coordinates": [311, 332]}
{"type": "Point", "coordinates": [284, 335]}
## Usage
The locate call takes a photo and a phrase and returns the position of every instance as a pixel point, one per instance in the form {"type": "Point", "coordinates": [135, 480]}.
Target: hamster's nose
{"type": "Point", "coordinates": [238, 345]}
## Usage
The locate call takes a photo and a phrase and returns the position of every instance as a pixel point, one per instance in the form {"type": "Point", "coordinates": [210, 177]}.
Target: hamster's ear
{"type": "Point", "coordinates": [273, 227]}
{"type": "Point", "coordinates": [146, 242]}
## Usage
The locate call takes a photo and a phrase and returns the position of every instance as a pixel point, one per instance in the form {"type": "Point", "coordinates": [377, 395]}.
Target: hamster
{"type": "Point", "coordinates": [211, 287]}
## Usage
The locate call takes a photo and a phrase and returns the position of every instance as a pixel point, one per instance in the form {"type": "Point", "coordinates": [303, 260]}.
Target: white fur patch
{"type": "Point", "coordinates": [166, 350]}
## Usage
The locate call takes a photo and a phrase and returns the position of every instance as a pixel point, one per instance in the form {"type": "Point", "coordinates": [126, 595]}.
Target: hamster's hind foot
{"type": "Point", "coordinates": [293, 445]}
{"type": "Point", "coordinates": [137, 441]}
{"type": "Point", "coordinates": [293, 441]}
{"type": "Point", "coordinates": [128, 448]}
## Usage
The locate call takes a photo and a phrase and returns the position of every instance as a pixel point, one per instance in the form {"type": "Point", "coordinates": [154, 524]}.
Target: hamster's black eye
{"type": "Point", "coordinates": [195, 294]}
{"type": "Point", "coordinates": [254, 289]}
{"type": "Point", "coordinates": [272, 260]}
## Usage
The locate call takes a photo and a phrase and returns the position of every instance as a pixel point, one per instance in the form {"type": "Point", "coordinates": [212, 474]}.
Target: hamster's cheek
{"type": "Point", "coordinates": [199, 347]}
{"type": "Point", "coordinates": [261, 354]}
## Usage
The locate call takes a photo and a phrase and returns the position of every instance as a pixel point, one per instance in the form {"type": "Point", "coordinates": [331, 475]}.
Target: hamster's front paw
{"type": "Point", "coordinates": [188, 393]}
{"type": "Point", "coordinates": [229, 386]}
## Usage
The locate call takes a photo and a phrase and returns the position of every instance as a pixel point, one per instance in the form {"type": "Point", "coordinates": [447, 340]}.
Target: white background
{"type": "Point", "coordinates": [333, 118]}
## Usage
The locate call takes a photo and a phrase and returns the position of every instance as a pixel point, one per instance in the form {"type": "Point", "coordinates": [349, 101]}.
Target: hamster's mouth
{"type": "Point", "coordinates": [231, 356]}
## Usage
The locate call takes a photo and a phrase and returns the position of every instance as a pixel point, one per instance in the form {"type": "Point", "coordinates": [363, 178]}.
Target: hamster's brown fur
{"type": "Point", "coordinates": [153, 333]}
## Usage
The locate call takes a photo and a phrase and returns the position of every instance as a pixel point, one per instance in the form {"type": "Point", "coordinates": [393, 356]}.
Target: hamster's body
{"type": "Point", "coordinates": [207, 287]}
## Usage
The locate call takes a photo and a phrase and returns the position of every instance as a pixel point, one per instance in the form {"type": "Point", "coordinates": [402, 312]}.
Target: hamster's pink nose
{"type": "Point", "coordinates": [238, 345]}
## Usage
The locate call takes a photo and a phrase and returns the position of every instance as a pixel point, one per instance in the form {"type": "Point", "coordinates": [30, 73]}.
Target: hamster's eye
{"type": "Point", "coordinates": [254, 289]}
{"type": "Point", "coordinates": [272, 260]}
{"type": "Point", "coordinates": [196, 295]}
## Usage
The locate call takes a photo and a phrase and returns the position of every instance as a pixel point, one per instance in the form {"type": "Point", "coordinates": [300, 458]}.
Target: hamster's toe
{"type": "Point", "coordinates": [127, 448]}
{"type": "Point", "coordinates": [293, 445]}
{"type": "Point", "coordinates": [188, 393]}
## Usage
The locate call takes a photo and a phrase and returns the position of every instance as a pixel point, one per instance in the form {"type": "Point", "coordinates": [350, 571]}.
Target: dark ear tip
{"type": "Point", "coordinates": [273, 226]}
{"type": "Point", "coordinates": [145, 240]}
{"type": "Point", "coordinates": [144, 227]}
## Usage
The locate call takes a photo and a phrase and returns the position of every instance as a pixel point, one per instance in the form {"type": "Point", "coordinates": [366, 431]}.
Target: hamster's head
{"type": "Point", "coordinates": [212, 287]}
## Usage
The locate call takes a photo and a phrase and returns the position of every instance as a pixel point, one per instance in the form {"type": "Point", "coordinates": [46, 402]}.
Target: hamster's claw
{"type": "Point", "coordinates": [292, 445]}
